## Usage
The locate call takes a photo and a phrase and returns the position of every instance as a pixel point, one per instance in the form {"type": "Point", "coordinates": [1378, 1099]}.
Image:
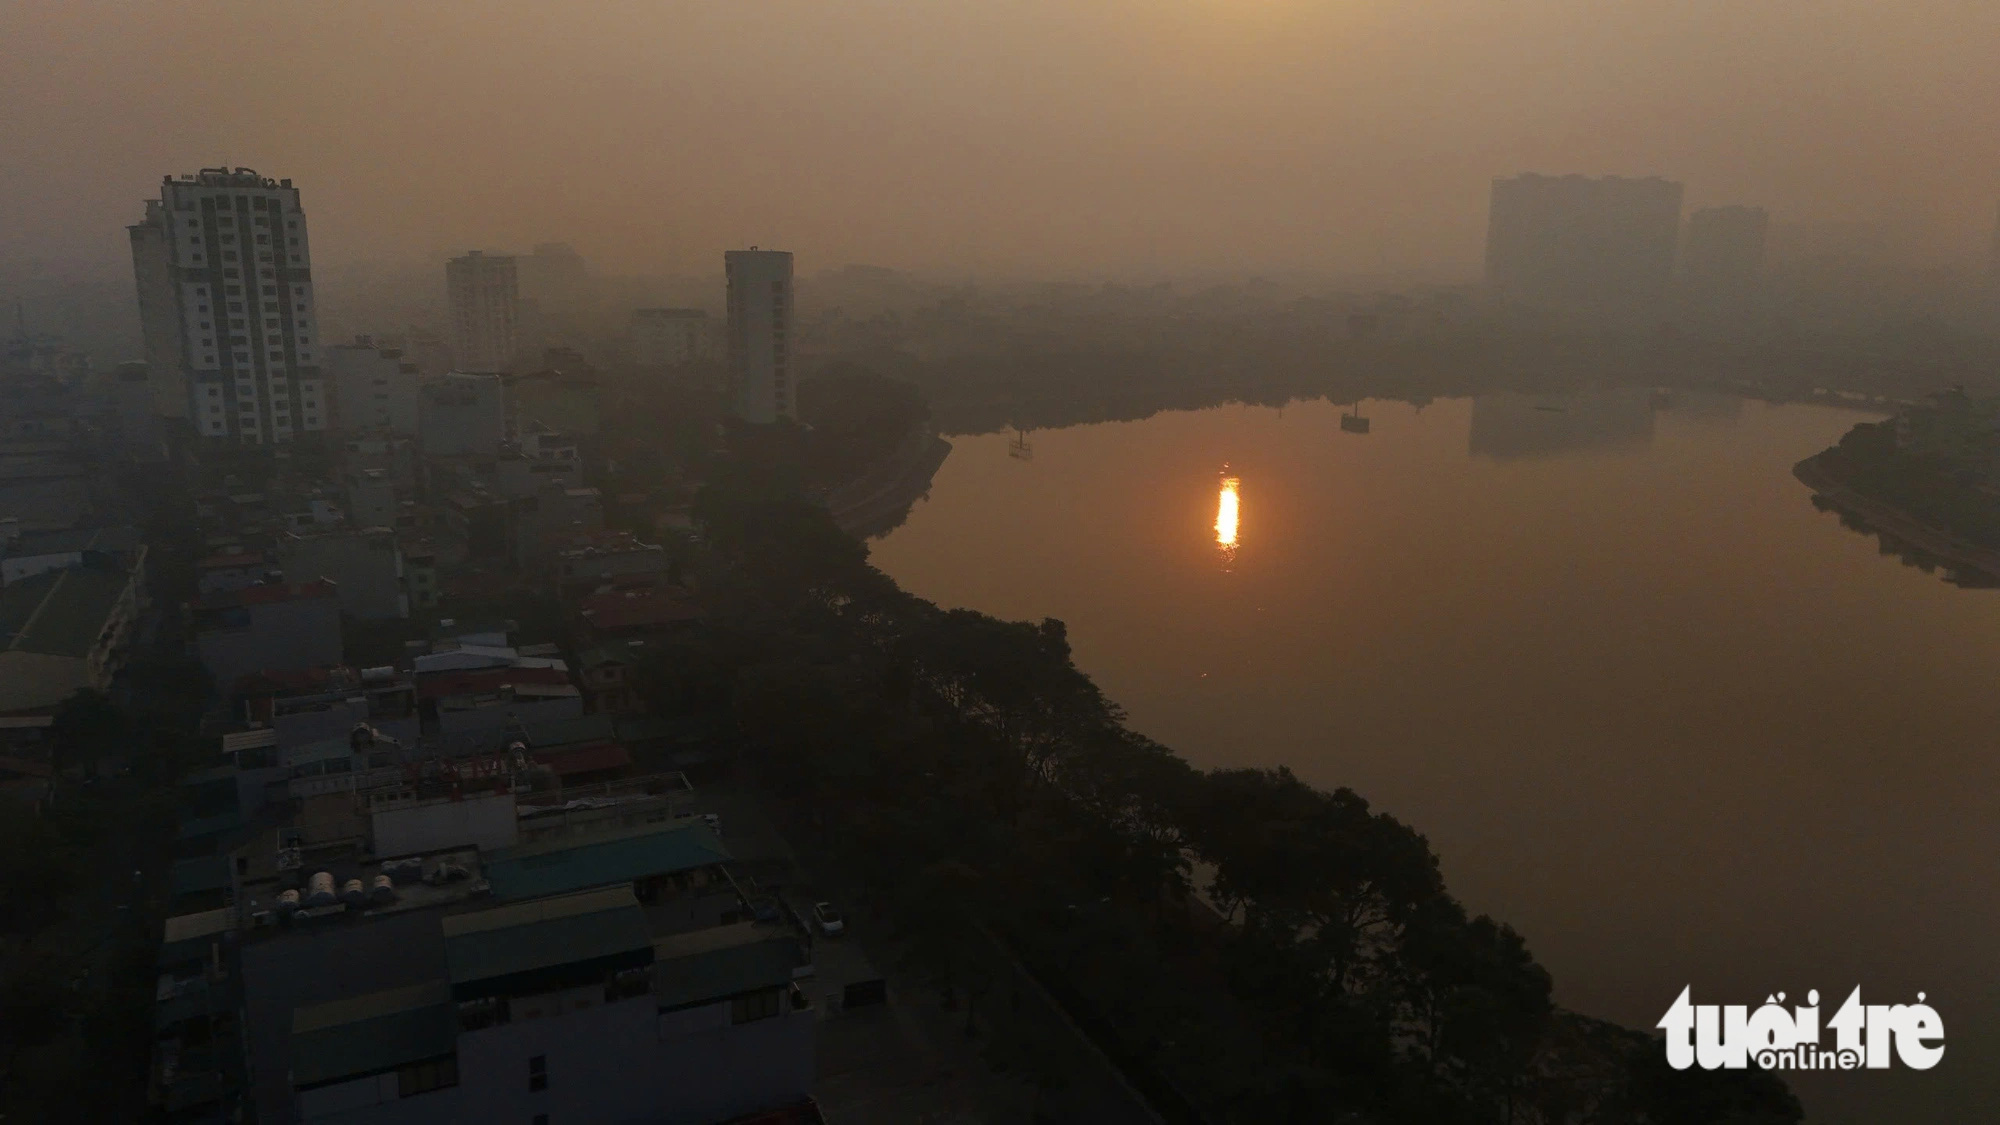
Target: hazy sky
{"type": "Point", "coordinates": [1068, 136]}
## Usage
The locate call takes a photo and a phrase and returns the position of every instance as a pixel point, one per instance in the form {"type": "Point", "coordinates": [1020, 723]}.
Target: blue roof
{"type": "Point", "coordinates": [559, 866]}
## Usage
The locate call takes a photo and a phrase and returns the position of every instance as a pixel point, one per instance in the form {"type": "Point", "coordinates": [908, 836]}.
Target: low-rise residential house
{"type": "Point", "coordinates": [605, 672]}
{"type": "Point", "coordinates": [279, 628]}
{"type": "Point", "coordinates": [461, 414]}
{"type": "Point", "coordinates": [371, 498]}
{"type": "Point", "coordinates": [590, 560]}
{"type": "Point", "coordinates": [374, 389]}
{"type": "Point", "coordinates": [541, 523]}
{"type": "Point", "coordinates": [233, 570]}
{"type": "Point", "coordinates": [365, 564]}
{"type": "Point", "coordinates": [585, 1005]}
{"type": "Point", "coordinates": [634, 611]}
{"type": "Point", "coordinates": [473, 711]}
{"type": "Point", "coordinates": [525, 467]}
{"type": "Point", "coordinates": [565, 401]}
{"type": "Point", "coordinates": [420, 573]}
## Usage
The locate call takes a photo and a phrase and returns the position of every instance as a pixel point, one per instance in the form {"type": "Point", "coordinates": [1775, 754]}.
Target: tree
{"type": "Point", "coordinates": [86, 728]}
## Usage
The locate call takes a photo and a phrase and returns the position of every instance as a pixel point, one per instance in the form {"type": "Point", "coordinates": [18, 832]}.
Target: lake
{"type": "Point", "coordinates": [1649, 705]}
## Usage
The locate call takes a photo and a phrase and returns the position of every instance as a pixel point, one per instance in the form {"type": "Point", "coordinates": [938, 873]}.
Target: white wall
{"type": "Point", "coordinates": [487, 821]}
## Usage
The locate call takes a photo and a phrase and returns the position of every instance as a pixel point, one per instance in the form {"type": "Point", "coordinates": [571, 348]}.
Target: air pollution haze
{"type": "Point", "coordinates": [1082, 137]}
{"type": "Point", "coordinates": [1227, 560]}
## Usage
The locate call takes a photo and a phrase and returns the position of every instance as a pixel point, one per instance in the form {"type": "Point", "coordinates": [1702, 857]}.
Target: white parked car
{"type": "Point", "coordinates": [828, 919]}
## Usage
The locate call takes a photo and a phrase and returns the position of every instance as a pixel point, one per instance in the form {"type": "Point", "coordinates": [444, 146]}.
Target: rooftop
{"type": "Point", "coordinates": [60, 613]}
{"type": "Point", "coordinates": [372, 1033]}
{"type": "Point", "coordinates": [510, 941]}
{"type": "Point", "coordinates": [568, 732]}
{"type": "Point", "coordinates": [563, 864]}
{"type": "Point", "coordinates": [268, 594]}
{"type": "Point", "coordinates": [704, 965]}
{"type": "Point", "coordinates": [77, 539]}
{"type": "Point", "coordinates": [638, 609]}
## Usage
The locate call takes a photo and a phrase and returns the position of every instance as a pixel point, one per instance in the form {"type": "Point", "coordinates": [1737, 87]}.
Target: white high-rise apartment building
{"type": "Point", "coordinates": [226, 304]}
{"type": "Point", "coordinates": [760, 312]}
{"type": "Point", "coordinates": [485, 309]}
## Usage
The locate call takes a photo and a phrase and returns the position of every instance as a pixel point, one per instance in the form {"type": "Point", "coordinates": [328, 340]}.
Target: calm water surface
{"type": "Point", "coordinates": [1649, 706]}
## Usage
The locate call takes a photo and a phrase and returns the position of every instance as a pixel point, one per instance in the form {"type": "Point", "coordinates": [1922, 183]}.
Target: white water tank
{"type": "Point", "coordinates": [353, 893]}
{"type": "Point", "coordinates": [319, 889]}
{"type": "Point", "coordinates": [384, 889]}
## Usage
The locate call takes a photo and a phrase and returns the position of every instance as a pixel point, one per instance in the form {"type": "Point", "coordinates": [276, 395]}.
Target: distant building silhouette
{"type": "Point", "coordinates": [668, 337]}
{"type": "Point", "coordinates": [760, 311]}
{"type": "Point", "coordinates": [1575, 241]}
{"type": "Point", "coordinates": [485, 311]}
{"type": "Point", "coordinates": [1724, 255]}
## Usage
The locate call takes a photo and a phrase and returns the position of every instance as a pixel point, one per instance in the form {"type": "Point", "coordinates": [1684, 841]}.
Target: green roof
{"type": "Point", "coordinates": [60, 612]}
{"type": "Point", "coordinates": [546, 933]}
{"type": "Point", "coordinates": [372, 1033]}
{"type": "Point", "coordinates": [722, 961]}
{"type": "Point", "coordinates": [553, 867]}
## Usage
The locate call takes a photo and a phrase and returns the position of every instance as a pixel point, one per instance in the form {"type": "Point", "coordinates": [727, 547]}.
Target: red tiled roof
{"type": "Point", "coordinates": [274, 681]}
{"type": "Point", "coordinates": [472, 681]}
{"type": "Point", "coordinates": [619, 610]}
{"type": "Point", "coordinates": [587, 758]}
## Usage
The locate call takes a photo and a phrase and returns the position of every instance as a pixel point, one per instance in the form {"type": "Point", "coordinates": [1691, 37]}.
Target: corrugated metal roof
{"type": "Point", "coordinates": [722, 961]}
{"type": "Point", "coordinates": [561, 865]}
{"type": "Point", "coordinates": [372, 1033]}
{"type": "Point", "coordinates": [249, 740]}
{"type": "Point", "coordinates": [547, 932]}
{"type": "Point", "coordinates": [188, 927]}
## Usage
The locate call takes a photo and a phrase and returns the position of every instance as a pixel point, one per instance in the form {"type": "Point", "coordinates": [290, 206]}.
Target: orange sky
{"type": "Point", "coordinates": [999, 136]}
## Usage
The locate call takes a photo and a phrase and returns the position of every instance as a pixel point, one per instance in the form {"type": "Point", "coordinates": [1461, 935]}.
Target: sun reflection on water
{"type": "Point", "coordinates": [1225, 518]}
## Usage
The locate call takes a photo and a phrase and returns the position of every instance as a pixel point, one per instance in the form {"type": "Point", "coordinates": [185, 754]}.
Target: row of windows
{"type": "Point", "coordinates": [228, 221]}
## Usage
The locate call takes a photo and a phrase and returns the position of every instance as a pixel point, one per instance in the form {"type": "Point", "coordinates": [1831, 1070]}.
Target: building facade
{"type": "Point", "coordinates": [462, 414]}
{"type": "Point", "coordinates": [1575, 241]}
{"type": "Point", "coordinates": [374, 389]}
{"type": "Point", "coordinates": [224, 275]}
{"type": "Point", "coordinates": [668, 337]}
{"type": "Point", "coordinates": [271, 628]}
{"type": "Point", "coordinates": [485, 311]}
{"type": "Point", "coordinates": [761, 378]}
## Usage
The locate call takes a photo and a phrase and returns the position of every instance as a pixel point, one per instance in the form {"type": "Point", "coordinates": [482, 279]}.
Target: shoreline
{"type": "Point", "coordinates": [1886, 519]}
{"type": "Point", "coordinates": [888, 492]}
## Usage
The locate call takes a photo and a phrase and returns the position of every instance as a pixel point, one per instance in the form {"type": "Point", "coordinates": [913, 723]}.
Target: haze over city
{"type": "Point", "coordinates": [1118, 137]}
{"type": "Point", "coordinates": [1141, 562]}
